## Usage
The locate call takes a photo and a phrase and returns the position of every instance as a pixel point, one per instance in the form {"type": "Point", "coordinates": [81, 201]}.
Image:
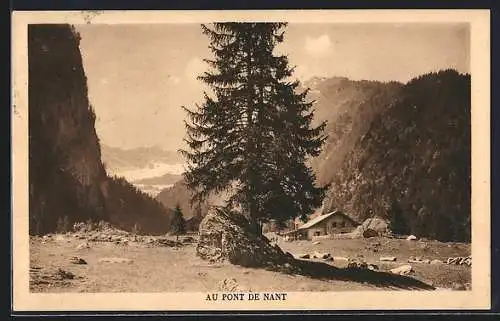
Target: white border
{"type": "Point", "coordinates": [478, 298]}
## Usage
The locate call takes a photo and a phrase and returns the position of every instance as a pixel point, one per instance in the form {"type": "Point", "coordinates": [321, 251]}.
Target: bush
{"type": "Point", "coordinates": [63, 225]}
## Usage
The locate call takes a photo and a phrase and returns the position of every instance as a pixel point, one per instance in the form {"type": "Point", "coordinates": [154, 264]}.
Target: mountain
{"type": "Point", "coordinates": [411, 161]}
{"type": "Point", "coordinates": [118, 158]}
{"type": "Point", "coordinates": [348, 107]}
{"type": "Point", "coordinates": [399, 151]}
{"type": "Point", "coordinates": [67, 180]}
{"type": "Point", "coordinates": [165, 179]}
{"type": "Point", "coordinates": [180, 194]}
{"type": "Point", "coordinates": [150, 169]}
{"type": "Point", "coordinates": [338, 101]}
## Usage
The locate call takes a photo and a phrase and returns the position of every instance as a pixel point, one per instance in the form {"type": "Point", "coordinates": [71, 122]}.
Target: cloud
{"type": "Point", "coordinates": [318, 47]}
{"type": "Point", "coordinates": [173, 80]}
{"type": "Point", "coordinates": [195, 68]}
{"type": "Point", "coordinates": [303, 72]}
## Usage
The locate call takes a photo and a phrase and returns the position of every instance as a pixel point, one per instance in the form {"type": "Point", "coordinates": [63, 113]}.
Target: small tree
{"type": "Point", "coordinates": [137, 228]}
{"type": "Point", "coordinates": [178, 223]}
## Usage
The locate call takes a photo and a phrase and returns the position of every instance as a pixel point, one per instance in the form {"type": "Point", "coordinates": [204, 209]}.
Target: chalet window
{"type": "Point", "coordinates": [334, 224]}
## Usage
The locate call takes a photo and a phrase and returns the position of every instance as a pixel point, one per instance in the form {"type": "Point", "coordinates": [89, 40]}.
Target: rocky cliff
{"type": "Point", "coordinates": [65, 169]}
{"type": "Point", "coordinates": [67, 179]}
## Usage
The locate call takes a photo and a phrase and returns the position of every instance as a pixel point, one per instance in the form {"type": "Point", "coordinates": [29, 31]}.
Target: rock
{"type": "Point", "coordinates": [84, 245]}
{"type": "Point", "coordinates": [380, 226]}
{"type": "Point", "coordinates": [329, 258]}
{"type": "Point", "coordinates": [458, 287]}
{"type": "Point", "coordinates": [370, 233]}
{"type": "Point", "coordinates": [388, 258]}
{"type": "Point", "coordinates": [434, 262]}
{"type": "Point", "coordinates": [411, 238]}
{"type": "Point", "coordinates": [115, 238]}
{"type": "Point", "coordinates": [165, 242]}
{"type": "Point", "coordinates": [418, 259]}
{"type": "Point", "coordinates": [115, 260]}
{"type": "Point", "coordinates": [59, 238]}
{"type": "Point", "coordinates": [64, 274]}
{"type": "Point", "coordinates": [227, 236]}
{"type": "Point", "coordinates": [318, 255]}
{"type": "Point", "coordinates": [229, 285]}
{"type": "Point", "coordinates": [304, 256]}
{"type": "Point", "coordinates": [316, 243]}
{"type": "Point", "coordinates": [357, 264]}
{"type": "Point", "coordinates": [402, 270]}
{"type": "Point", "coordinates": [77, 260]}
{"type": "Point", "coordinates": [373, 267]}
{"type": "Point", "coordinates": [340, 258]}
{"type": "Point", "coordinates": [187, 239]}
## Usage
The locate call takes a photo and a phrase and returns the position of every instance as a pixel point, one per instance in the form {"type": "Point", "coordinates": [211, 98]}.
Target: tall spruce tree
{"type": "Point", "coordinates": [253, 135]}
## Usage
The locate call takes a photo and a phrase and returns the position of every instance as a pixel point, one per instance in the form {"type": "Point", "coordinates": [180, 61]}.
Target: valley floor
{"type": "Point", "coordinates": [149, 267]}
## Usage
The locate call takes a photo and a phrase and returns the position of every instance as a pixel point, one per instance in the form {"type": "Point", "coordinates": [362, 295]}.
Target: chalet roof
{"type": "Point", "coordinates": [321, 218]}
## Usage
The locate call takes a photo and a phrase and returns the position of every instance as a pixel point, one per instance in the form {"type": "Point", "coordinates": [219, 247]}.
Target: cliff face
{"type": "Point", "coordinates": [67, 178]}
{"type": "Point", "coordinates": [65, 167]}
{"type": "Point", "coordinates": [349, 107]}
{"type": "Point", "coordinates": [412, 165]}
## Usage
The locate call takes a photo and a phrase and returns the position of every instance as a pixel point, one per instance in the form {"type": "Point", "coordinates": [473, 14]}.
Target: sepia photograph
{"type": "Point", "coordinates": [251, 161]}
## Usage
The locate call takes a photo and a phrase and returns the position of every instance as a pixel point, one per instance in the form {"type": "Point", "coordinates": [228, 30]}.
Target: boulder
{"type": "Point", "coordinates": [434, 262]}
{"type": "Point", "coordinates": [62, 274]}
{"type": "Point", "coordinates": [370, 233]}
{"type": "Point", "coordinates": [411, 238]}
{"type": "Point", "coordinates": [378, 225]}
{"type": "Point", "coordinates": [388, 258]}
{"type": "Point", "coordinates": [318, 255]}
{"type": "Point", "coordinates": [304, 256]}
{"type": "Point", "coordinates": [84, 245]}
{"type": "Point", "coordinates": [402, 270]}
{"type": "Point", "coordinates": [357, 264]}
{"type": "Point", "coordinates": [77, 260]}
{"type": "Point", "coordinates": [228, 236]}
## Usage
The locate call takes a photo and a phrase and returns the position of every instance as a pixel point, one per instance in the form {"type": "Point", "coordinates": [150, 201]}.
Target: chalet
{"type": "Point", "coordinates": [331, 223]}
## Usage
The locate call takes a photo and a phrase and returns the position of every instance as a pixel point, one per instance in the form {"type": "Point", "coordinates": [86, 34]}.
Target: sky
{"type": "Point", "coordinates": [139, 76]}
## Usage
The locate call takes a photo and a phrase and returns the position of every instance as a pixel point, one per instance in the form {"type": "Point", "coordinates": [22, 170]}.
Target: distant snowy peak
{"type": "Point", "coordinates": [151, 169]}
{"type": "Point", "coordinates": [117, 159]}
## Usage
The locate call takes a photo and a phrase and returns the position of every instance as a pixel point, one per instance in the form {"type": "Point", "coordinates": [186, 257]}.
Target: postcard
{"type": "Point", "coordinates": [251, 160]}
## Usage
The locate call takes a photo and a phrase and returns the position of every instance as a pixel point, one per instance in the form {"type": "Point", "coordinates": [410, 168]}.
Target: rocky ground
{"type": "Point", "coordinates": [109, 260]}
